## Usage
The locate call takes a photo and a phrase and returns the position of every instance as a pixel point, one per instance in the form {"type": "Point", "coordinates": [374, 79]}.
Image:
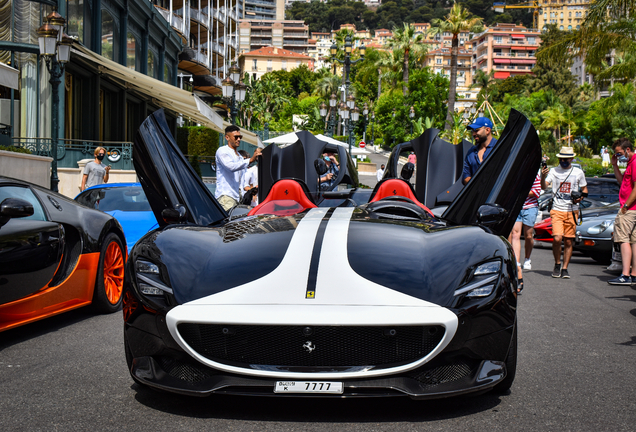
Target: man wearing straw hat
{"type": "Point", "coordinates": [565, 180]}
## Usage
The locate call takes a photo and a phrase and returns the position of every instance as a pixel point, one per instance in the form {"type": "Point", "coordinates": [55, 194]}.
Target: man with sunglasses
{"type": "Point", "coordinates": [625, 222]}
{"type": "Point", "coordinates": [484, 143]}
{"type": "Point", "coordinates": [229, 168]}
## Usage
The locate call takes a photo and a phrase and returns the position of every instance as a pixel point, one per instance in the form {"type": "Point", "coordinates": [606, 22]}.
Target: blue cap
{"type": "Point", "coordinates": [480, 122]}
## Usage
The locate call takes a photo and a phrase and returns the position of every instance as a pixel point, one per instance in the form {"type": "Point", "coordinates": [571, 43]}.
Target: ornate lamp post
{"type": "Point", "coordinates": [393, 126]}
{"type": "Point", "coordinates": [333, 100]}
{"type": "Point", "coordinates": [55, 47]}
{"type": "Point", "coordinates": [372, 122]}
{"type": "Point", "coordinates": [365, 113]}
{"type": "Point", "coordinates": [347, 62]}
{"type": "Point", "coordinates": [412, 117]}
{"type": "Point", "coordinates": [233, 91]}
{"type": "Point", "coordinates": [355, 116]}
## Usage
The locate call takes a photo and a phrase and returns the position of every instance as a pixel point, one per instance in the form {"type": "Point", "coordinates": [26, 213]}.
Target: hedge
{"type": "Point", "coordinates": [15, 149]}
{"type": "Point", "coordinates": [197, 140]}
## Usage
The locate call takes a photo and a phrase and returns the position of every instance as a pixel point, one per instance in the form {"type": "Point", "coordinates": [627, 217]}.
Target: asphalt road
{"type": "Point", "coordinates": [577, 358]}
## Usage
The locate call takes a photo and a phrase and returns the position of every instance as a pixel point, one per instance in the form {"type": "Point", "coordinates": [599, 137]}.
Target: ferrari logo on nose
{"type": "Point", "coordinates": [309, 347]}
{"type": "Point", "coordinates": [286, 192]}
{"type": "Point", "coordinates": [394, 192]}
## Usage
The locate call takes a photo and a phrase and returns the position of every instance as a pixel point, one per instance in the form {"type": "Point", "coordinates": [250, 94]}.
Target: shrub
{"type": "Point", "coordinates": [15, 149]}
{"type": "Point", "coordinates": [198, 140]}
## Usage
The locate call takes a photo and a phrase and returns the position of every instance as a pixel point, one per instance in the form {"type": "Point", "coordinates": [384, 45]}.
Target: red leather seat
{"type": "Point", "coordinates": [285, 198]}
{"type": "Point", "coordinates": [396, 187]}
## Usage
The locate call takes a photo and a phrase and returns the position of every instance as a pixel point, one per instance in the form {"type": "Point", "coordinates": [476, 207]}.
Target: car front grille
{"type": "Point", "coordinates": [252, 346]}
{"type": "Point", "coordinates": [445, 374]}
{"type": "Point", "coordinates": [184, 370]}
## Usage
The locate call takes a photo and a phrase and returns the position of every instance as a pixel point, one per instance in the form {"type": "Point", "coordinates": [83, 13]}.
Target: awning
{"type": "Point", "coordinates": [167, 96]}
{"type": "Point", "coordinates": [518, 36]}
{"type": "Point", "coordinates": [8, 76]}
{"type": "Point", "coordinates": [502, 61]}
{"type": "Point", "coordinates": [523, 61]}
{"type": "Point", "coordinates": [501, 75]}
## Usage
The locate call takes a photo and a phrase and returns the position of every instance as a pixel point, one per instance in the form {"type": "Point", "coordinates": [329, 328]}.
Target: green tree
{"type": "Point", "coordinates": [457, 21]}
{"type": "Point", "coordinates": [404, 40]}
{"type": "Point", "coordinates": [609, 27]}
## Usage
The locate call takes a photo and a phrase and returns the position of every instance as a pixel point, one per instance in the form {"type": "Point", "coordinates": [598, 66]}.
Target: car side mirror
{"type": "Point", "coordinates": [320, 166]}
{"type": "Point", "coordinates": [178, 214]}
{"type": "Point", "coordinates": [14, 208]}
{"type": "Point", "coordinates": [491, 214]}
{"type": "Point", "coordinates": [407, 171]}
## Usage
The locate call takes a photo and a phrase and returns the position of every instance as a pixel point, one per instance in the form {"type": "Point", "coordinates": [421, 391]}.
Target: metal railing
{"type": "Point", "coordinates": [70, 151]}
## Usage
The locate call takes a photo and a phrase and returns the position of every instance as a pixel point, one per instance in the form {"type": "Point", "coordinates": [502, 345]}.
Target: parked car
{"type": "Point", "coordinates": [295, 298]}
{"type": "Point", "coordinates": [593, 236]}
{"type": "Point", "coordinates": [55, 255]}
{"type": "Point", "coordinates": [545, 205]}
{"type": "Point", "coordinates": [127, 203]}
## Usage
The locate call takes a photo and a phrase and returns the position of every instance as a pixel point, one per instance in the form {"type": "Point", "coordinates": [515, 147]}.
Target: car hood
{"type": "Point", "coordinates": [320, 257]}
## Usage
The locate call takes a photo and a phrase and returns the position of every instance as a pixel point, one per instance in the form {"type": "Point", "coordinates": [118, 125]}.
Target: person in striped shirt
{"type": "Point", "coordinates": [525, 220]}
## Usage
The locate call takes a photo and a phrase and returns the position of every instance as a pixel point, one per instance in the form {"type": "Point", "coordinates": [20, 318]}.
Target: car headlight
{"type": "Point", "coordinates": [149, 279]}
{"type": "Point", "coordinates": [483, 280]}
{"type": "Point", "coordinates": [603, 226]}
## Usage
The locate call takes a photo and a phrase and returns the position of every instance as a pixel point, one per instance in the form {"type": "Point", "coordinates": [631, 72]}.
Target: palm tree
{"type": "Point", "coordinates": [484, 81]}
{"type": "Point", "coordinates": [457, 21]}
{"type": "Point", "coordinates": [328, 85]}
{"type": "Point", "coordinates": [403, 41]}
{"type": "Point", "coordinates": [553, 118]}
{"type": "Point", "coordinates": [609, 28]}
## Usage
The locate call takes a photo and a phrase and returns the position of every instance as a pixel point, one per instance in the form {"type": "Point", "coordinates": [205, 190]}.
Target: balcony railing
{"type": "Point", "coordinates": [69, 152]}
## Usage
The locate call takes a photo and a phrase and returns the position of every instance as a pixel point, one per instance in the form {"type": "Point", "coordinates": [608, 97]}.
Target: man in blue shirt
{"type": "Point", "coordinates": [484, 143]}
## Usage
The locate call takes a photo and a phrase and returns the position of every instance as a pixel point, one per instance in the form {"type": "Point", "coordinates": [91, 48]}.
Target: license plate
{"type": "Point", "coordinates": [308, 387]}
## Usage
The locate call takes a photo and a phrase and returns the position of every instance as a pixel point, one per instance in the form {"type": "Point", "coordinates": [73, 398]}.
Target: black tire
{"type": "Point", "coordinates": [601, 258]}
{"type": "Point", "coordinates": [511, 365]}
{"type": "Point", "coordinates": [108, 294]}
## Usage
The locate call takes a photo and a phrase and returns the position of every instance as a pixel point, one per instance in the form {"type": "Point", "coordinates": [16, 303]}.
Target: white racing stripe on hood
{"type": "Point", "coordinates": [337, 282]}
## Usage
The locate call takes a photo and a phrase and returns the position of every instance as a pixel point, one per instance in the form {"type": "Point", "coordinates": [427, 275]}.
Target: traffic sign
{"type": "Point", "coordinates": [362, 144]}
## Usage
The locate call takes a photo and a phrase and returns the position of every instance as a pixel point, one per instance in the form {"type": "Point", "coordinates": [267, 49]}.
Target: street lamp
{"type": "Point", "coordinates": [55, 47]}
{"type": "Point", "coordinates": [355, 116]}
{"type": "Point", "coordinates": [412, 117]}
{"type": "Point", "coordinates": [365, 113]}
{"type": "Point", "coordinates": [393, 127]}
{"type": "Point", "coordinates": [333, 100]}
{"type": "Point", "coordinates": [234, 91]}
{"type": "Point", "coordinates": [372, 122]}
{"type": "Point", "coordinates": [347, 62]}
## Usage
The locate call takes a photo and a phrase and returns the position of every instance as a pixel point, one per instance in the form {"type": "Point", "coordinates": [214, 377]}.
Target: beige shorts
{"type": "Point", "coordinates": [625, 227]}
{"type": "Point", "coordinates": [227, 202]}
{"type": "Point", "coordinates": [564, 223]}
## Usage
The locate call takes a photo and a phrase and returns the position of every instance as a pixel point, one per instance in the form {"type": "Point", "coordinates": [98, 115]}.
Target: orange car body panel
{"type": "Point", "coordinates": [75, 291]}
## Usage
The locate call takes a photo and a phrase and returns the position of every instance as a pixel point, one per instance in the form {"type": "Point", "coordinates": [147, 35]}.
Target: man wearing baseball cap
{"type": "Point", "coordinates": [484, 143]}
{"type": "Point", "coordinates": [564, 179]}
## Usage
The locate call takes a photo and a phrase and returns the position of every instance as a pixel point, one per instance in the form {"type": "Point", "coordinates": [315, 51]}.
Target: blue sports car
{"type": "Point", "coordinates": [127, 203]}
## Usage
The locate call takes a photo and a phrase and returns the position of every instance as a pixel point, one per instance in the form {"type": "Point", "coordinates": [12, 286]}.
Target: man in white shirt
{"type": "Point", "coordinates": [250, 181]}
{"type": "Point", "coordinates": [380, 173]}
{"type": "Point", "coordinates": [564, 179]}
{"type": "Point", "coordinates": [229, 165]}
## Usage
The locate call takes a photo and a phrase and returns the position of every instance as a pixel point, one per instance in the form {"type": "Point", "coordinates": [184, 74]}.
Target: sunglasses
{"type": "Point", "coordinates": [238, 136]}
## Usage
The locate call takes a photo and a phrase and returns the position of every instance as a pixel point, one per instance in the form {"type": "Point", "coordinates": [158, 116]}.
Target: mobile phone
{"type": "Point", "coordinates": [544, 164]}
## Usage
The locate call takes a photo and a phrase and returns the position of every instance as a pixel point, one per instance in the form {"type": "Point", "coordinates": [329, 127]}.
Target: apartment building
{"type": "Point", "coordinates": [267, 59]}
{"type": "Point", "coordinates": [565, 14]}
{"type": "Point", "coordinates": [289, 35]}
{"type": "Point", "coordinates": [263, 9]}
{"type": "Point", "coordinates": [508, 49]}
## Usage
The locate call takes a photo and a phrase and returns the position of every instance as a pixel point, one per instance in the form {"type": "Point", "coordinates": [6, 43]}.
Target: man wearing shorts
{"type": "Point", "coordinates": [564, 179]}
{"type": "Point", "coordinates": [625, 222]}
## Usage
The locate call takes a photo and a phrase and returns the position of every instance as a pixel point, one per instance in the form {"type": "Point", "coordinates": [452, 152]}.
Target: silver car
{"type": "Point", "coordinates": [594, 235]}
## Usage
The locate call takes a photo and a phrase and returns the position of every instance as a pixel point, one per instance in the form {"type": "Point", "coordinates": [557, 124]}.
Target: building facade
{"type": "Point", "coordinates": [507, 49]}
{"type": "Point", "coordinates": [565, 14]}
{"type": "Point", "coordinates": [289, 35]}
{"type": "Point", "coordinates": [268, 59]}
{"type": "Point", "coordinates": [129, 58]}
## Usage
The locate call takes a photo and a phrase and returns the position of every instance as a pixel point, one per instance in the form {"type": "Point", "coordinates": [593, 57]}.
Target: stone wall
{"type": "Point", "coordinates": [22, 166]}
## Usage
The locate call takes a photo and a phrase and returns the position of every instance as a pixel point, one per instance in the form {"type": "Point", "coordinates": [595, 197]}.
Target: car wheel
{"type": "Point", "coordinates": [110, 276]}
{"type": "Point", "coordinates": [601, 258]}
{"type": "Point", "coordinates": [511, 365]}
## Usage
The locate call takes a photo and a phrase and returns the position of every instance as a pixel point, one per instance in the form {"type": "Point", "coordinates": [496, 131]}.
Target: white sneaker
{"type": "Point", "coordinates": [527, 264]}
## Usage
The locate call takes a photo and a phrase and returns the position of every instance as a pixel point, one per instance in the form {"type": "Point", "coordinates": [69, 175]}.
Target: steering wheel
{"type": "Point", "coordinates": [398, 206]}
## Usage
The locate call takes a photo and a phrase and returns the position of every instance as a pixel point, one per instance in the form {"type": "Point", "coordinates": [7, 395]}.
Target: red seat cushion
{"type": "Point", "coordinates": [397, 187]}
{"type": "Point", "coordinates": [285, 198]}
